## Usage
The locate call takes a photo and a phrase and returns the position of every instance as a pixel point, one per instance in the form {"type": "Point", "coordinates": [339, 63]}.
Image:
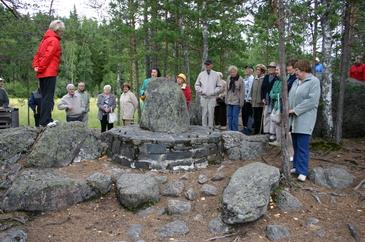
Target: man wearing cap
{"type": "Point", "coordinates": [85, 101]}
{"type": "Point", "coordinates": [185, 88]}
{"type": "Point", "coordinates": [128, 104]}
{"type": "Point", "coordinates": [4, 99]}
{"type": "Point", "coordinates": [208, 86]}
{"type": "Point", "coordinates": [71, 102]}
{"type": "Point", "coordinates": [266, 87]}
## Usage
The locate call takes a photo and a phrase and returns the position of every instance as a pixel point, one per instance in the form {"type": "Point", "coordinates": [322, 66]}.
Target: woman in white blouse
{"type": "Point", "coordinates": [128, 104]}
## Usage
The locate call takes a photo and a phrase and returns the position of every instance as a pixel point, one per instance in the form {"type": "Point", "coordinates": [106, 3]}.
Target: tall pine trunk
{"type": "Point", "coordinates": [344, 66]}
{"type": "Point", "coordinates": [205, 33]}
{"type": "Point", "coordinates": [326, 88]}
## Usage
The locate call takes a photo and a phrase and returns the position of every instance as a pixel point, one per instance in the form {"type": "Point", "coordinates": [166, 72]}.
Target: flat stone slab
{"type": "Point", "coordinates": [138, 148]}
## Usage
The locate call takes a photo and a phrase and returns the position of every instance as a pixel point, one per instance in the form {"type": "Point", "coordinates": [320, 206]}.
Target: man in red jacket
{"type": "Point", "coordinates": [357, 70]}
{"type": "Point", "coordinates": [46, 64]}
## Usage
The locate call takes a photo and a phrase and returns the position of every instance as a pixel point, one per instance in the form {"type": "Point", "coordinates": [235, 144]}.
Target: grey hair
{"type": "Point", "coordinates": [69, 86]}
{"type": "Point", "coordinates": [230, 68]}
{"type": "Point", "coordinates": [57, 25]}
{"type": "Point", "coordinates": [107, 87]}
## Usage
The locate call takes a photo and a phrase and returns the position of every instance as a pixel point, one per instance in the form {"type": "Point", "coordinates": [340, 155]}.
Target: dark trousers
{"type": "Point", "coordinates": [246, 113]}
{"type": "Point", "coordinates": [220, 115]}
{"type": "Point", "coordinates": [36, 119]}
{"type": "Point", "coordinates": [301, 153]}
{"type": "Point", "coordinates": [257, 119]}
{"type": "Point", "coordinates": [47, 87]}
{"type": "Point", "coordinates": [104, 124]}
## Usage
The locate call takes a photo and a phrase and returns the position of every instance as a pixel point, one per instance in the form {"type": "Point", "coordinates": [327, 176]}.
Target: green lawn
{"type": "Point", "coordinates": [22, 105]}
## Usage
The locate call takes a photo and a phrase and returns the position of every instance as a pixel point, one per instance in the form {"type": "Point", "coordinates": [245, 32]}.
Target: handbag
{"type": "Point", "coordinates": [112, 117]}
{"type": "Point", "coordinates": [275, 115]}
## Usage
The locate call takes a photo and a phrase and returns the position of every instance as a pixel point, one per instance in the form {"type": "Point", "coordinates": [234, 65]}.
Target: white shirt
{"type": "Point", "coordinates": [248, 87]}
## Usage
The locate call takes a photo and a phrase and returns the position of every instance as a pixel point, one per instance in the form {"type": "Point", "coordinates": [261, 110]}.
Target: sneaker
{"type": "Point", "coordinates": [272, 137]}
{"type": "Point", "coordinates": [293, 171]}
{"type": "Point", "coordinates": [52, 124]}
{"type": "Point", "coordinates": [223, 127]}
{"type": "Point", "coordinates": [302, 177]}
{"type": "Point", "coordinates": [217, 126]}
{"type": "Point", "coordinates": [274, 143]}
{"type": "Point", "coordinates": [291, 158]}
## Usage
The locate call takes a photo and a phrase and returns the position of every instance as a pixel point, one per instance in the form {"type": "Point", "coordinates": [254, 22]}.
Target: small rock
{"type": "Point", "coordinates": [134, 232]}
{"type": "Point", "coordinates": [276, 232]}
{"type": "Point", "coordinates": [173, 189]}
{"type": "Point", "coordinates": [311, 221]}
{"type": "Point", "coordinates": [209, 190]}
{"type": "Point", "coordinates": [190, 194]}
{"type": "Point", "coordinates": [202, 179]}
{"type": "Point", "coordinates": [13, 234]}
{"type": "Point", "coordinates": [287, 202]}
{"type": "Point", "coordinates": [175, 228]}
{"type": "Point", "coordinates": [218, 176]}
{"type": "Point", "coordinates": [145, 212]}
{"type": "Point", "coordinates": [198, 218]}
{"type": "Point", "coordinates": [331, 177]}
{"type": "Point", "coordinates": [100, 182]}
{"type": "Point", "coordinates": [216, 226]}
{"type": "Point", "coordinates": [178, 207]}
{"type": "Point", "coordinates": [320, 233]}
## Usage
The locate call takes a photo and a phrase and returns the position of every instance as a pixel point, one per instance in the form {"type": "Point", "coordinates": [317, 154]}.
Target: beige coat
{"type": "Point", "coordinates": [72, 105]}
{"type": "Point", "coordinates": [208, 86]}
{"type": "Point", "coordinates": [128, 105]}
{"type": "Point", "coordinates": [238, 96]}
{"type": "Point", "coordinates": [256, 92]}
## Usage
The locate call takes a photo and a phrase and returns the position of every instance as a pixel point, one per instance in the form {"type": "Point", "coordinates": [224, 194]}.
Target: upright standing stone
{"type": "Point", "coordinates": [165, 108]}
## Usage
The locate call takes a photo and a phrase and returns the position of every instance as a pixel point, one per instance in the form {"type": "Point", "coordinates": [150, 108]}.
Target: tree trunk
{"type": "Point", "coordinates": [205, 33]}
{"type": "Point", "coordinates": [185, 50]}
{"type": "Point", "coordinates": [286, 143]}
{"type": "Point", "coordinates": [147, 58]}
{"type": "Point", "coordinates": [315, 31]}
{"type": "Point", "coordinates": [344, 66]}
{"type": "Point", "coordinates": [326, 81]}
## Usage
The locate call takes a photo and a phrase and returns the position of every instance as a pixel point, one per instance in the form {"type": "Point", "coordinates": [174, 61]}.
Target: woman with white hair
{"type": "Point", "coordinates": [235, 97]}
{"type": "Point", "coordinates": [46, 64]}
{"type": "Point", "coordinates": [106, 105]}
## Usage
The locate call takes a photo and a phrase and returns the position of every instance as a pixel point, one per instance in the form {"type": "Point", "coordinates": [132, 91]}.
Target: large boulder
{"type": "Point", "coordinates": [137, 190]}
{"type": "Point", "coordinates": [16, 141]}
{"type": "Point", "coordinates": [67, 142]}
{"type": "Point", "coordinates": [165, 108]}
{"type": "Point", "coordinates": [247, 195]}
{"type": "Point", "coordinates": [331, 177]}
{"type": "Point", "coordinates": [239, 146]}
{"type": "Point", "coordinates": [44, 190]}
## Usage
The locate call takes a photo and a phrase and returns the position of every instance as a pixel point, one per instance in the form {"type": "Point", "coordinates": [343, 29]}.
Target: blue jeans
{"type": "Point", "coordinates": [233, 112]}
{"type": "Point", "coordinates": [301, 153]}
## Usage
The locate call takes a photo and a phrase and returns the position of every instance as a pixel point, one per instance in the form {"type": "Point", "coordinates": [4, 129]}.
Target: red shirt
{"type": "Point", "coordinates": [48, 55]}
{"type": "Point", "coordinates": [358, 72]}
{"type": "Point", "coordinates": [187, 93]}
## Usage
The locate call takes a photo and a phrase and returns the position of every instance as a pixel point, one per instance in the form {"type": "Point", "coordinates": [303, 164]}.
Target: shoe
{"type": "Point", "coordinates": [291, 158]}
{"type": "Point", "coordinates": [52, 124]}
{"type": "Point", "coordinates": [293, 171]}
{"type": "Point", "coordinates": [274, 143]}
{"type": "Point", "coordinates": [217, 126]}
{"type": "Point", "coordinates": [223, 127]}
{"type": "Point", "coordinates": [302, 178]}
{"type": "Point", "coordinates": [272, 138]}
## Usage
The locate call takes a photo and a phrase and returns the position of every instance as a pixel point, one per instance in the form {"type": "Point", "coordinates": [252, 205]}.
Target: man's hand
{"type": "Point", "coordinates": [291, 112]}
{"type": "Point", "coordinates": [36, 69]}
{"type": "Point", "coordinates": [264, 101]}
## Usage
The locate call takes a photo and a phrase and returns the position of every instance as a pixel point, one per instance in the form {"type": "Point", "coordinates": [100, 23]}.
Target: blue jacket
{"type": "Point", "coordinates": [34, 101]}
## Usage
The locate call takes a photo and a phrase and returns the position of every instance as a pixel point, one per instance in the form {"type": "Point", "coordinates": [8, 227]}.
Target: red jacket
{"type": "Point", "coordinates": [358, 72]}
{"type": "Point", "coordinates": [48, 55]}
{"type": "Point", "coordinates": [187, 93]}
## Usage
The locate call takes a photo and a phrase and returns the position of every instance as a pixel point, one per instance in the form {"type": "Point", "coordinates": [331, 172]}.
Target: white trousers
{"type": "Point", "coordinates": [208, 105]}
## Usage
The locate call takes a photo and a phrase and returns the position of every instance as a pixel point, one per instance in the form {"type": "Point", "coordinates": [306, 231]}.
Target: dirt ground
{"type": "Point", "coordinates": [104, 219]}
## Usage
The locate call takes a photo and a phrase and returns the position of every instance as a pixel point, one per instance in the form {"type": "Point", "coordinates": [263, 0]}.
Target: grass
{"type": "Point", "coordinates": [22, 105]}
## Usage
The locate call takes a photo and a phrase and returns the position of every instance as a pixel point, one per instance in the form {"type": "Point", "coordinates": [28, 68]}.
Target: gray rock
{"type": "Point", "coordinates": [8, 172]}
{"type": "Point", "coordinates": [136, 190]}
{"type": "Point", "coordinates": [195, 111]}
{"type": "Point", "coordinates": [161, 179]}
{"type": "Point", "coordinates": [101, 183]}
{"type": "Point", "coordinates": [287, 202]}
{"type": "Point", "coordinates": [61, 145]}
{"type": "Point", "coordinates": [16, 141]}
{"type": "Point", "coordinates": [13, 235]}
{"type": "Point", "coordinates": [178, 207]}
{"type": "Point", "coordinates": [277, 232]}
{"type": "Point", "coordinates": [190, 194]}
{"type": "Point", "coordinates": [242, 147]}
{"type": "Point", "coordinates": [247, 195]}
{"type": "Point", "coordinates": [331, 177]}
{"type": "Point", "coordinates": [311, 221]}
{"type": "Point", "coordinates": [217, 226]}
{"type": "Point", "coordinates": [202, 179]}
{"type": "Point", "coordinates": [165, 108]}
{"type": "Point", "coordinates": [145, 212]}
{"type": "Point", "coordinates": [209, 190]}
{"type": "Point", "coordinates": [175, 228]}
{"type": "Point", "coordinates": [218, 176]}
{"type": "Point", "coordinates": [320, 233]}
{"type": "Point", "coordinates": [45, 190]}
{"type": "Point", "coordinates": [134, 232]}
{"type": "Point", "coordinates": [173, 189]}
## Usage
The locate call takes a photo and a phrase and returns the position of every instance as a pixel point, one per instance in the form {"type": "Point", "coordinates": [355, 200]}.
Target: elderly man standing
{"type": "Point", "coordinates": [85, 101]}
{"type": "Point", "coordinates": [4, 99]}
{"type": "Point", "coordinates": [72, 103]}
{"type": "Point", "coordinates": [208, 86]}
{"type": "Point", "coordinates": [46, 64]}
